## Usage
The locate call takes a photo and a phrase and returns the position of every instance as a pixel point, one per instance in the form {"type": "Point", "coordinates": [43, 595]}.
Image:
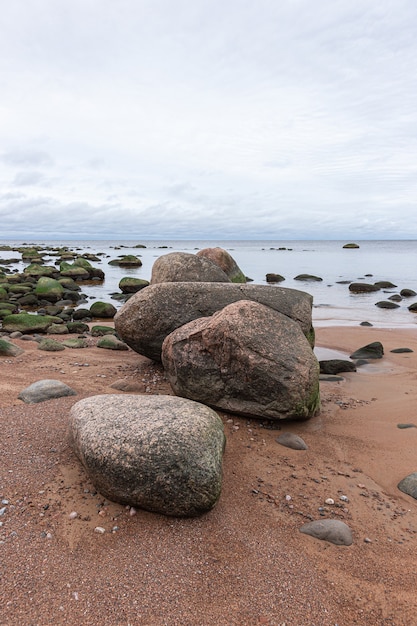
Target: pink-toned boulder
{"type": "Point", "coordinates": [246, 359]}
{"type": "Point", "coordinates": [185, 267]}
{"type": "Point", "coordinates": [225, 261]}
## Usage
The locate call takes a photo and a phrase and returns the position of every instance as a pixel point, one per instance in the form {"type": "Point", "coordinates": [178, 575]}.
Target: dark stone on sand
{"type": "Point", "coordinates": [404, 426]}
{"type": "Point", "coordinates": [408, 485]}
{"type": "Point", "coordinates": [335, 366]}
{"type": "Point", "coordinates": [401, 350]}
{"type": "Point", "coordinates": [372, 350]}
{"type": "Point", "coordinates": [330, 378]}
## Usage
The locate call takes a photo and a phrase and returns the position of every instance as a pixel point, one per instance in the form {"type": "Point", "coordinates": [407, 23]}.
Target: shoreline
{"type": "Point", "coordinates": [244, 562]}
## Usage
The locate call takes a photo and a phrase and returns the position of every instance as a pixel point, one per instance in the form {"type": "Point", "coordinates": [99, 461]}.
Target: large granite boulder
{"type": "Point", "coordinates": [159, 453]}
{"type": "Point", "coordinates": [225, 261]}
{"type": "Point", "coordinates": [185, 267]}
{"type": "Point", "coordinates": [152, 314]}
{"type": "Point", "coordinates": [246, 359]}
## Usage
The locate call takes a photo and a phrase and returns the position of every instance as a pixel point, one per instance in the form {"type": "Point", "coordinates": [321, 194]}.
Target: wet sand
{"type": "Point", "coordinates": [243, 563]}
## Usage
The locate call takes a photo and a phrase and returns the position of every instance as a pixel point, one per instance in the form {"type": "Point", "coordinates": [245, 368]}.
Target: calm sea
{"type": "Point", "coordinates": [395, 261]}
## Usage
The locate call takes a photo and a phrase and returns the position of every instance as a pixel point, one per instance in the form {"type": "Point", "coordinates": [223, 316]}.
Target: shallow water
{"type": "Point", "coordinates": [333, 304]}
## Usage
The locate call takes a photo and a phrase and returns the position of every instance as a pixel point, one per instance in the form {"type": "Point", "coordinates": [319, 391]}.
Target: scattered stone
{"type": "Point", "coordinates": [28, 323]}
{"type": "Point", "coordinates": [363, 288]}
{"type": "Point", "coordinates": [408, 293]}
{"type": "Point", "coordinates": [99, 530]}
{"type": "Point", "coordinates": [75, 343]}
{"type": "Point", "coordinates": [128, 284]}
{"type": "Point", "coordinates": [351, 246]}
{"type": "Point", "coordinates": [291, 440]}
{"type": "Point", "coordinates": [335, 366]}
{"type": "Point", "coordinates": [50, 345]}
{"type": "Point", "coordinates": [365, 324]}
{"type": "Point", "coordinates": [372, 350]}
{"type": "Point", "coordinates": [103, 310]}
{"type": "Point", "coordinates": [9, 349]}
{"type": "Point", "coordinates": [413, 307]}
{"type": "Point", "coordinates": [100, 331]}
{"type": "Point", "coordinates": [330, 378]}
{"type": "Point", "coordinates": [73, 515]}
{"type": "Point", "coordinates": [401, 350]}
{"type": "Point", "coordinates": [385, 284]}
{"type": "Point", "coordinates": [111, 342]}
{"type": "Point", "coordinates": [408, 425]}
{"type": "Point", "coordinates": [45, 390]}
{"type": "Point", "coordinates": [387, 304]}
{"type": "Point", "coordinates": [308, 278]}
{"type": "Point", "coordinates": [274, 278]}
{"type": "Point", "coordinates": [159, 453]}
{"type": "Point", "coordinates": [408, 485]}
{"type": "Point", "coordinates": [334, 531]}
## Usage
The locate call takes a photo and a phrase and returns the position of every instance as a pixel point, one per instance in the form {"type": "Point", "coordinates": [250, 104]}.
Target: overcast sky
{"type": "Point", "coordinates": [227, 119]}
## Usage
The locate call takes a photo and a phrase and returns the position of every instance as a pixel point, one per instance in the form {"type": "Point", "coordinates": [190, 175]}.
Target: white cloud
{"type": "Point", "coordinates": [223, 119]}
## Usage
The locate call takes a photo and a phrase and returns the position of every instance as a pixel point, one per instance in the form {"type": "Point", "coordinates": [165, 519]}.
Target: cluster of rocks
{"type": "Point", "coordinates": [225, 345]}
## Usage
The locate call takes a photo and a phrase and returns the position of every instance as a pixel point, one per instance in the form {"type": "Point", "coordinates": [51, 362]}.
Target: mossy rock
{"type": "Point", "coordinates": [75, 343]}
{"type": "Point", "coordinates": [28, 323]}
{"type": "Point", "coordinates": [20, 289]}
{"type": "Point", "coordinates": [57, 329]}
{"type": "Point", "coordinates": [128, 260]}
{"type": "Point", "coordinates": [77, 327]}
{"type": "Point", "coordinates": [50, 345]}
{"type": "Point", "coordinates": [110, 342]}
{"type": "Point", "coordinates": [34, 269]}
{"type": "Point", "coordinates": [4, 294]}
{"type": "Point", "coordinates": [73, 271]}
{"type": "Point", "coordinates": [49, 289]}
{"type": "Point", "coordinates": [9, 349]}
{"type": "Point", "coordinates": [132, 285]}
{"type": "Point", "coordinates": [101, 331]}
{"type": "Point", "coordinates": [103, 310]}
{"type": "Point", "coordinates": [29, 300]}
{"type": "Point", "coordinates": [69, 284]}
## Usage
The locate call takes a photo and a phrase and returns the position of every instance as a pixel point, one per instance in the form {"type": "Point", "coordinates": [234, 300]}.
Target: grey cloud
{"type": "Point", "coordinates": [24, 179]}
{"type": "Point", "coordinates": [29, 158]}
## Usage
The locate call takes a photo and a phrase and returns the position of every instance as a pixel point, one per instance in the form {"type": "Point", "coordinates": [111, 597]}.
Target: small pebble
{"type": "Point", "coordinates": [367, 540]}
{"type": "Point", "coordinates": [100, 530]}
{"type": "Point", "coordinates": [132, 511]}
{"type": "Point", "coordinates": [288, 498]}
{"type": "Point", "coordinates": [3, 510]}
{"type": "Point", "coordinates": [73, 515]}
{"type": "Point", "coordinates": [329, 501]}
{"type": "Point", "coordinates": [344, 498]}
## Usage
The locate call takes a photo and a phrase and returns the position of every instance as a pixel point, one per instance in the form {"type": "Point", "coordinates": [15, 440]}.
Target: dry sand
{"type": "Point", "coordinates": [243, 563]}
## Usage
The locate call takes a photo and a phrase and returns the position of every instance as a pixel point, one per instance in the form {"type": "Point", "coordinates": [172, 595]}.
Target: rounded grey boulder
{"type": "Point", "coordinates": [159, 453]}
{"type": "Point", "coordinates": [47, 389]}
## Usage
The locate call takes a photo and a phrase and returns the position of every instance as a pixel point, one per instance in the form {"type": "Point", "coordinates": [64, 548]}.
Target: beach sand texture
{"type": "Point", "coordinates": [243, 563]}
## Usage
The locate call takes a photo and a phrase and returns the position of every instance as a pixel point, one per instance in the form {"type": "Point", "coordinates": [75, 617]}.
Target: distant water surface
{"type": "Point", "coordinates": [394, 261]}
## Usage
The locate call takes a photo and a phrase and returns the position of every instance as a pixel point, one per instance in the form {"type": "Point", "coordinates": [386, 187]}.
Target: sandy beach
{"type": "Point", "coordinates": [243, 563]}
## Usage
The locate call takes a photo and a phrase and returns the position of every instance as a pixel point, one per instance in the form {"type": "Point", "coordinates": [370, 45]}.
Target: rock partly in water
{"type": "Point", "coordinates": [103, 310]}
{"type": "Point", "coordinates": [408, 293]}
{"type": "Point", "coordinates": [332, 530]}
{"type": "Point", "coordinates": [308, 278]}
{"type": "Point", "coordinates": [363, 288]}
{"type": "Point", "coordinates": [128, 284]}
{"type": "Point", "coordinates": [335, 366]}
{"type": "Point", "coordinates": [374, 350]}
{"type": "Point", "coordinates": [150, 315]}
{"type": "Point", "coordinates": [387, 304]}
{"type": "Point", "coordinates": [274, 278]}
{"type": "Point", "coordinates": [246, 359]}
{"type": "Point", "coordinates": [45, 390]}
{"type": "Point", "coordinates": [225, 261]}
{"type": "Point", "coordinates": [351, 246]}
{"type": "Point", "coordinates": [186, 267]}
{"type": "Point", "coordinates": [159, 453]}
